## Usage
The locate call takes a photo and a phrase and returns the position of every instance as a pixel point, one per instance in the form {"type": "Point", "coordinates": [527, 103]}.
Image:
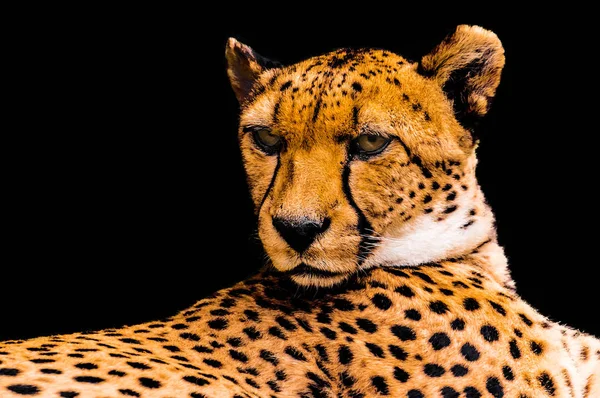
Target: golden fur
{"type": "Point", "coordinates": [404, 292]}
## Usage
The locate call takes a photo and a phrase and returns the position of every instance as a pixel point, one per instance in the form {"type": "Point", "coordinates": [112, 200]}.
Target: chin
{"type": "Point", "coordinates": [312, 280]}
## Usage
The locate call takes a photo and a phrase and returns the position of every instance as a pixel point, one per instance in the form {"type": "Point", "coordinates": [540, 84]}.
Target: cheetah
{"type": "Point", "coordinates": [385, 277]}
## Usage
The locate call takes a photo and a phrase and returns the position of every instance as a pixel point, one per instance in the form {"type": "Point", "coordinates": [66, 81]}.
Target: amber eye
{"type": "Point", "coordinates": [267, 141]}
{"type": "Point", "coordinates": [371, 144]}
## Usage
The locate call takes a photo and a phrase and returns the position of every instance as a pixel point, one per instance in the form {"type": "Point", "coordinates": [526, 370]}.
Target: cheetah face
{"type": "Point", "coordinates": [359, 158]}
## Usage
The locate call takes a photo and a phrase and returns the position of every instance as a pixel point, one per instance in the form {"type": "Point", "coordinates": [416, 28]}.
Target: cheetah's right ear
{"type": "Point", "coordinates": [467, 65]}
{"type": "Point", "coordinates": [244, 66]}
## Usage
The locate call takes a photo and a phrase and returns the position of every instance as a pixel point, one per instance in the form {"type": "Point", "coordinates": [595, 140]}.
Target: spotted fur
{"type": "Point", "coordinates": [404, 293]}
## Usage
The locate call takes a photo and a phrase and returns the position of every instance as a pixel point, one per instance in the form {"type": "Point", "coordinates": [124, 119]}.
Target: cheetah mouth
{"type": "Point", "coordinates": [306, 270]}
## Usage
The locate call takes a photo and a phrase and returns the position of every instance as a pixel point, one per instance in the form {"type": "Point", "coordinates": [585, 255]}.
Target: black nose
{"type": "Point", "coordinates": [300, 233]}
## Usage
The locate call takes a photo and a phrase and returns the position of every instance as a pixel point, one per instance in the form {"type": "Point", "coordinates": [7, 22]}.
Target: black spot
{"type": "Point", "coordinates": [213, 363]}
{"type": "Point", "coordinates": [518, 333]}
{"type": "Point", "coordinates": [136, 365]}
{"type": "Point", "coordinates": [439, 307]}
{"type": "Point", "coordinates": [472, 392]}
{"type": "Point", "coordinates": [281, 375]}
{"type": "Point", "coordinates": [252, 333]}
{"type": "Point", "coordinates": [499, 309]}
{"type": "Point", "coordinates": [396, 272]}
{"type": "Point", "coordinates": [401, 375]}
{"type": "Point", "coordinates": [447, 292]}
{"type": "Point", "coordinates": [460, 284]}
{"type": "Point", "coordinates": [86, 366]}
{"type": "Point", "coordinates": [304, 324]}
{"type": "Point", "coordinates": [366, 325]}
{"type": "Point", "coordinates": [43, 360]}
{"type": "Point", "coordinates": [449, 392]}
{"type": "Point", "coordinates": [489, 333]}
{"type": "Point", "coordinates": [130, 341]}
{"type": "Point", "coordinates": [412, 314]}
{"type": "Point", "coordinates": [51, 371]}
{"type": "Point", "coordinates": [23, 389]}
{"type": "Point", "coordinates": [273, 385]}
{"type": "Point", "coordinates": [459, 370]}
{"type": "Point", "coordinates": [508, 373]}
{"type": "Point", "coordinates": [190, 336]}
{"type": "Point", "coordinates": [347, 328]}
{"type": "Point", "coordinates": [81, 355]}
{"type": "Point", "coordinates": [494, 387]}
{"type": "Point", "coordinates": [526, 320]}
{"type": "Point", "coordinates": [275, 331]}
{"type": "Point", "coordinates": [381, 301]}
{"type": "Point", "coordinates": [232, 341]}
{"type": "Point", "coordinates": [415, 394]}
{"type": "Point", "coordinates": [380, 385]}
{"type": "Point", "coordinates": [470, 304]}
{"type": "Point", "coordinates": [345, 355]}
{"type": "Point", "coordinates": [346, 379]}
{"type": "Point", "coordinates": [129, 392]}
{"type": "Point", "coordinates": [190, 379]}
{"type": "Point", "coordinates": [68, 394]}
{"type": "Point", "coordinates": [159, 339]}
{"type": "Point", "coordinates": [433, 370]}
{"type": "Point", "coordinates": [330, 334]}
{"type": "Point", "coordinates": [252, 383]}
{"type": "Point", "coordinates": [285, 85]}
{"type": "Point", "coordinates": [295, 353]}
{"type": "Point", "coordinates": [269, 357]}
{"type": "Point", "coordinates": [218, 324]}
{"type": "Point", "coordinates": [356, 87]}
{"type": "Point", "coordinates": [514, 349]}
{"type": "Point", "coordinates": [536, 348]}
{"type": "Point", "coordinates": [404, 333]}
{"type": "Point", "coordinates": [469, 352]}
{"type": "Point", "coordinates": [324, 317]}
{"type": "Point", "coordinates": [88, 379]}
{"type": "Point", "coordinates": [427, 199]}
{"type": "Point", "coordinates": [219, 312]}
{"type": "Point", "coordinates": [238, 356]}
{"type": "Point", "coordinates": [252, 315]}
{"type": "Point", "coordinates": [451, 196]}
{"type": "Point", "coordinates": [405, 291]}
{"type": "Point", "coordinates": [343, 304]}
{"type": "Point", "coordinates": [547, 383]}
{"type": "Point", "coordinates": [425, 277]}
{"type": "Point", "coordinates": [117, 373]}
{"type": "Point", "coordinates": [179, 326]}
{"type": "Point", "coordinates": [398, 352]}
{"type": "Point", "coordinates": [316, 110]}
{"type": "Point", "coordinates": [322, 352]}
{"type": "Point", "coordinates": [171, 348]}
{"type": "Point", "coordinates": [375, 350]}
{"type": "Point", "coordinates": [9, 371]}
{"type": "Point", "coordinates": [439, 341]}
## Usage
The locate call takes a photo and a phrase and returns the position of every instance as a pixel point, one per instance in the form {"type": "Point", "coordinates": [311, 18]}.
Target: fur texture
{"type": "Point", "coordinates": [404, 291]}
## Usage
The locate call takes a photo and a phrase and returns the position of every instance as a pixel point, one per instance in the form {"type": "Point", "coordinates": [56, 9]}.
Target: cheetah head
{"type": "Point", "coordinates": [361, 158]}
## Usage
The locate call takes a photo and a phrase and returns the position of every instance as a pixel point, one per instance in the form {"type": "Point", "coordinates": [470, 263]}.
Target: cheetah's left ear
{"type": "Point", "coordinates": [467, 65]}
{"type": "Point", "coordinates": [244, 66]}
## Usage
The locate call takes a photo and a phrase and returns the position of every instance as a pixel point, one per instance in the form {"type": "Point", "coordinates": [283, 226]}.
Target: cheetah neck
{"type": "Point", "coordinates": [467, 233]}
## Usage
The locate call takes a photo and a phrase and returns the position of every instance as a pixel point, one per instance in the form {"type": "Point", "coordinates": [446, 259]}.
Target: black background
{"type": "Point", "coordinates": [126, 198]}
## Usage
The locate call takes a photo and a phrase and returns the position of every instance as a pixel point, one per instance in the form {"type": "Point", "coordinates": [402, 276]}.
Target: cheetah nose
{"type": "Point", "coordinates": [300, 233]}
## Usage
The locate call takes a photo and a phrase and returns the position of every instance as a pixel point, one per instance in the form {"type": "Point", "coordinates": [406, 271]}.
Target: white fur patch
{"type": "Point", "coordinates": [427, 240]}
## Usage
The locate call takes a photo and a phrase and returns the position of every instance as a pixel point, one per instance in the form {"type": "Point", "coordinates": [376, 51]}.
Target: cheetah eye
{"type": "Point", "coordinates": [267, 141]}
{"type": "Point", "coordinates": [370, 144]}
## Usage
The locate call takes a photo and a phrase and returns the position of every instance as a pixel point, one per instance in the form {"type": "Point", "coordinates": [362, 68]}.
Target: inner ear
{"type": "Point", "coordinates": [467, 65]}
{"type": "Point", "coordinates": [244, 66]}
